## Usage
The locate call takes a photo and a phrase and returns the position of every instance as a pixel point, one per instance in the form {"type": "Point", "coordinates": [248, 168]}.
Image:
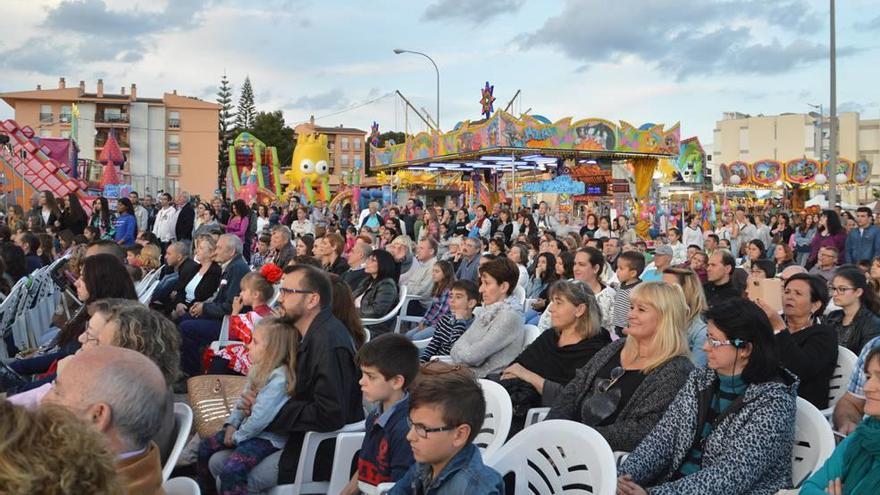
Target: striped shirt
{"type": "Point", "coordinates": [446, 334]}
{"type": "Point", "coordinates": [621, 304]}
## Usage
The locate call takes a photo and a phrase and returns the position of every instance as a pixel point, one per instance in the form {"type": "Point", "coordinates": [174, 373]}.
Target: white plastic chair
{"type": "Point", "coordinates": [837, 386]}
{"type": "Point", "coordinates": [499, 415]}
{"type": "Point", "coordinates": [404, 316]}
{"type": "Point", "coordinates": [813, 441]}
{"type": "Point", "coordinates": [520, 294]}
{"type": "Point", "coordinates": [183, 419]}
{"type": "Point", "coordinates": [401, 298]}
{"type": "Point", "coordinates": [536, 415]}
{"type": "Point", "coordinates": [303, 482]}
{"type": "Point", "coordinates": [532, 332]}
{"type": "Point", "coordinates": [422, 344]}
{"type": "Point", "coordinates": [181, 486]}
{"type": "Point", "coordinates": [147, 293]}
{"type": "Point", "coordinates": [558, 456]}
{"type": "Point", "coordinates": [347, 447]}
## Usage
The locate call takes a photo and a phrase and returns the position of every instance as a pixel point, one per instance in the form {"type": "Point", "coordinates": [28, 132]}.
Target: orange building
{"type": "Point", "coordinates": [170, 143]}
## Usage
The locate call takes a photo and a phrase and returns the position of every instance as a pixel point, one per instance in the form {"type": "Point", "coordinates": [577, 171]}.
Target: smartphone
{"type": "Point", "coordinates": [769, 291]}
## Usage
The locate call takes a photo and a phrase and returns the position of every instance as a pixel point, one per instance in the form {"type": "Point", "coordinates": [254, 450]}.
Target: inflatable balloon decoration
{"type": "Point", "coordinates": [309, 173]}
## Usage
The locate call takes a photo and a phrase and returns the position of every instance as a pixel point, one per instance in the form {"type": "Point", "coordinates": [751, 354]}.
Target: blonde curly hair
{"type": "Point", "coordinates": [50, 451]}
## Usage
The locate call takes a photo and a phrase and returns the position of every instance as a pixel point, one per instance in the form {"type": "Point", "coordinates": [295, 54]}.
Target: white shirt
{"type": "Point", "coordinates": [166, 221]}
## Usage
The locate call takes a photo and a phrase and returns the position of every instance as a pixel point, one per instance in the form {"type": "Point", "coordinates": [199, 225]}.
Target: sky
{"type": "Point", "coordinates": [659, 61]}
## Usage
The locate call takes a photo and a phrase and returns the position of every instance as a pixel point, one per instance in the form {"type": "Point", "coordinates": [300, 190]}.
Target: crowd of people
{"type": "Point", "coordinates": [674, 349]}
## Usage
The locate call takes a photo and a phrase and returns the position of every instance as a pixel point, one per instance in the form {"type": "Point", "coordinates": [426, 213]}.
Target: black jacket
{"type": "Point", "coordinates": [327, 394]}
{"type": "Point", "coordinates": [717, 293]}
{"type": "Point", "coordinates": [185, 222]}
{"type": "Point", "coordinates": [354, 278]}
{"type": "Point", "coordinates": [338, 267]}
{"type": "Point", "coordinates": [379, 297]}
{"type": "Point", "coordinates": [207, 286]}
{"type": "Point", "coordinates": [283, 257]}
{"type": "Point", "coordinates": [230, 286]}
{"type": "Point", "coordinates": [811, 354]}
{"type": "Point", "coordinates": [864, 327]}
{"type": "Point", "coordinates": [73, 224]}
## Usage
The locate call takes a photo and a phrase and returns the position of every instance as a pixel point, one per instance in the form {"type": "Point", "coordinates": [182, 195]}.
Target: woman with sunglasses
{"type": "Point", "coordinates": [544, 368]}
{"type": "Point", "coordinates": [730, 429]}
{"type": "Point", "coordinates": [624, 390]}
{"type": "Point", "coordinates": [377, 294]}
{"type": "Point", "coordinates": [856, 322]}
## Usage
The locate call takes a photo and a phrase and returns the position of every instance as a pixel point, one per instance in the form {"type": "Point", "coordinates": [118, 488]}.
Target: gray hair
{"type": "Point", "coordinates": [135, 390]}
{"type": "Point", "coordinates": [285, 231]}
{"type": "Point", "coordinates": [367, 249]}
{"type": "Point", "coordinates": [233, 241]}
{"type": "Point", "coordinates": [182, 248]}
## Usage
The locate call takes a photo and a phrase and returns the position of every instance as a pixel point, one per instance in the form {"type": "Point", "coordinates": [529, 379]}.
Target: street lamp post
{"type": "Point", "coordinates": [832, 158]}
{"type": "Point", "coordinates": [398, 51]}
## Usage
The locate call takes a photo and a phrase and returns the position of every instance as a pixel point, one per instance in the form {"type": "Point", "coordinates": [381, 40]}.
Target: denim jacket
{"type": "Point", "coordinates": [270, 399]}
{"type": "Point", "coordinates": [464, 475]}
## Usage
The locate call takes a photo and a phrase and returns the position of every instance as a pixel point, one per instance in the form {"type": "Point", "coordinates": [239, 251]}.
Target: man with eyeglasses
{"type": "Point", "coordinates": [327, 395]}
{"type": "Point", "coordinates": [826, 263]}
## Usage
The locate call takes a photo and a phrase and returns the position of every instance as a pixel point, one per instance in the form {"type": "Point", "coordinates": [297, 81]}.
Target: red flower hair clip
{"type": "Point", "coordinates": [271, 272]}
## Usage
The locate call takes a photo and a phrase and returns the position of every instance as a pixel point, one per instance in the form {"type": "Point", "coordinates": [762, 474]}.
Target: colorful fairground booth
{"type": "Point", "coordinates": [791, 181]}
{"type": "Point", "coordinates": [521, 160]}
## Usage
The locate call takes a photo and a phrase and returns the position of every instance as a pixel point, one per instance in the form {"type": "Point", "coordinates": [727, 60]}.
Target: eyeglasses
{"type": "Point", "coordinates": [422, 430]}
{"type": "Point", "coordinates": [604, 400]}
{"type": "Point", "coordinates": [839, 290]}
{"type": "Point", "coordinates": [285, 290]}
{"type": "Point", "coordinates": [715, 343]}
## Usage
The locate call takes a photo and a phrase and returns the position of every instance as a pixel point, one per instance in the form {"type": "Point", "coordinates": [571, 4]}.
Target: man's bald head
{"type": "Point", "coordinates": [119, 391]}
{"type": "Point", "coordinates": [105, 246]}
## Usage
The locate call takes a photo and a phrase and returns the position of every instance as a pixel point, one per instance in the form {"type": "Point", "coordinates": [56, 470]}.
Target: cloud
{"type": "Point", "coordinates": [322, 101]}
{"type": "Point", "coordinates": [852, 106]}
{"type": "Point", "coordinates": [686, 37]}
{"type": "Point", "coordinates": [92, 32]}
{"type": "Point", "coordinates": [870, 25]}
{"type": "Point", "coordinates": [472, 11]}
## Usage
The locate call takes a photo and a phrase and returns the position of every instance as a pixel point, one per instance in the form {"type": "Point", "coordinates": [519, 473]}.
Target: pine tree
{"type": "Point", "coordinates": [247, 110]}
{"type": "Point", "coordinates": [224, 99]}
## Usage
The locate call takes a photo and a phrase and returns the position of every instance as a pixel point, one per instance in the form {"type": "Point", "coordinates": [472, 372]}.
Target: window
{"type": "Point", "coordinates": [173, 142]}
{"type": "Point", "coordinates": [174, 120]}
{"type": "Point", "coordinates": [65, 134]}
{"type": "Point", "coordinates": [343, 160]}
{"type": "Point", "coordinates": [45, 114]}
{"type": "Point", "coordinates": [173, 165]}
{"type": "Point", "coordinates": [358, 162]}
{"type": "Point", "coordinates": [65, 117]}
{"type": "Point", "coordinates": [343, 143]}
{"type": "Point", "coordinates": [46, 133]}
{"type": "Point", "coordinates": [113, 115]}
{"type": "Point", "coordinates": [357, 144]}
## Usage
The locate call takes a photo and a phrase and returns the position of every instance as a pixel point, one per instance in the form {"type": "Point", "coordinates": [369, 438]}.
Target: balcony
{"type": "Point", "coordinates": [111, 118]}
{"type": "Point", "coordinates": [174, 123]}
{"type": "Point", "coordinates": [45, 118]}
{"type": "Point", "coordinates": [174, 147]}
{"type": "Point", "coordinates": [65, 118]}
{"type": "Point", "coordinates": [173, 169]}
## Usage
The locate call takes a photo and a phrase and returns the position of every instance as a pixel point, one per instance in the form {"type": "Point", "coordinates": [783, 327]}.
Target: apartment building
{"type": "Point", "coordinates": [170, 142]}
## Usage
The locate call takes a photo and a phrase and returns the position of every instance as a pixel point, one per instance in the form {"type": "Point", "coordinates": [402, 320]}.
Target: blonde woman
{"type": "Point", "coordinates": [689, 282]}
{"type": "Point", "coordinates": [151, 258]}
{"type": "Point", "coordinates": [625, 389]}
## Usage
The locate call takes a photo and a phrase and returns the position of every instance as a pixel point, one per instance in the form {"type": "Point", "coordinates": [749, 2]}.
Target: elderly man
{"type": "Point", "coordinates": [401, 249]}
{"type": "Point", "coordinates": [419, 281]}
{"type": "Point", "coordinates": [329, 250]}
{"type": "Point", "coordinates": [826, 263]}
{"type": "Point", "coordinates": [186, 217]}
{"type": "Point", "coordinates": [122, 394]}
{"type": "Point", "coordinates": [662, 261]}
{"type": "Point", "coordinates": [327, 395]}
{"type": "Point", "coordinates": [177, 260]}
{"type": "Point", "coordinates": [357, 260]}
{"type": "Point", "coordinates": [281, 248]}
{"type": "Point", "coordinates": [470, 260]}
{"type": "Point", "coordinates": [202, 325]}
{"type": "Point", "coordinates": [544, 219]}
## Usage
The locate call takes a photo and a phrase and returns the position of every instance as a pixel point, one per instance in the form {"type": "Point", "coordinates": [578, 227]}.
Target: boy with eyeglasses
{"type": "Point", "coordinates": [446, 411]}
{"type": "Point", "coordinates": [389, 363]}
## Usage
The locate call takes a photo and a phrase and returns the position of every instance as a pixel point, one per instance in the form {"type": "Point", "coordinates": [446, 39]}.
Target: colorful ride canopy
{"type": "Point", "coordinates": [503, 131]}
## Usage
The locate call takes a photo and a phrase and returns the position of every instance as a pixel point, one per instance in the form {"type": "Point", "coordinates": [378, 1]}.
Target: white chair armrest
{"type": "Point", "coordinates": [536, 415]}
{"type": "Point", "coordinates": [445, 359]}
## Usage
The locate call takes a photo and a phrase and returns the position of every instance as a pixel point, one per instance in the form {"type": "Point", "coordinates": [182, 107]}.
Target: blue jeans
{"type": "Point", "coordinates": [416, 334]}
{"type": "Point", "coordinates": [532, 317]}
{"type": "Point", "coordinates": [195, 334]}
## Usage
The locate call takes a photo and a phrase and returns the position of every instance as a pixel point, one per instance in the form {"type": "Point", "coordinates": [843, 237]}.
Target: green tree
{"type": "Point", "coordinates": [224, 99]}
{"type": "Point", "coordinates": [269, 127]}
{"type": "Point", "coordinates": [247, 109]}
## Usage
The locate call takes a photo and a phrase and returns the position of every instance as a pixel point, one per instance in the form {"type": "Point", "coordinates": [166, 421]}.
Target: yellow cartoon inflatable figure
{"type": "Point", "coordinates": [310, 169]}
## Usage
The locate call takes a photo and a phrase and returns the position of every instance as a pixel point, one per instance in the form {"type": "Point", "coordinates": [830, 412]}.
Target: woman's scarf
{"type": "Point", "coordinates": [862, 453]}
